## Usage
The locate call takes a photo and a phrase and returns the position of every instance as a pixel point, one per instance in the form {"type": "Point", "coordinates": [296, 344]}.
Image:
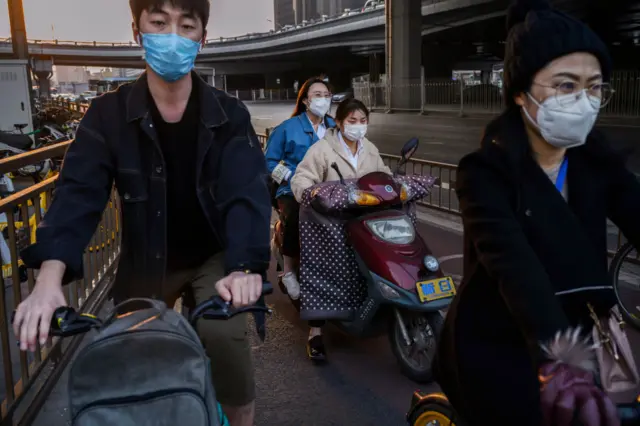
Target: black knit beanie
{"type": "Point", "coordinates": [536, 36]}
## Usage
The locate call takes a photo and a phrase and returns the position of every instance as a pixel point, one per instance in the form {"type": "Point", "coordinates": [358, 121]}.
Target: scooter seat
{"type": "Point", "coordinates": [21, 142]}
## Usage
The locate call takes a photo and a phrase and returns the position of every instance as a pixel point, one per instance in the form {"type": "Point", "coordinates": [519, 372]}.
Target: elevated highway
{"type": "Point", "coordinates": [357, 31]}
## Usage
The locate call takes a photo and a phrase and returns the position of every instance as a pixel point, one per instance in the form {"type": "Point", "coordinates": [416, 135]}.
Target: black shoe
{"type": "Point", "coordinates": [315, 349]}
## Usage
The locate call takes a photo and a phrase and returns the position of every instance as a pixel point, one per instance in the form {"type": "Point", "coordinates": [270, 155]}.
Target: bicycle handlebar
{"type": "Point", "coordinates": [67, 322]}
{"type": "Point", "coordinates": [216, 308]}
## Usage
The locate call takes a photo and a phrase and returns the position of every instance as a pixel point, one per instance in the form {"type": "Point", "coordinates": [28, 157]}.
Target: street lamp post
{"type": "Point", "coordinates": [18, 29]}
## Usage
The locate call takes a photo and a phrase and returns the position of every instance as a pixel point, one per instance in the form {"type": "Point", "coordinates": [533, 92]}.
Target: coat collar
{"type": "Point", "coordinates": [505, 145]}
{"type": "Point", "coordinates": [307, 127]}
{"type": "Point", "coordinates": [211, 112]}
{"type": "Point", "coordinates": [333, 139]}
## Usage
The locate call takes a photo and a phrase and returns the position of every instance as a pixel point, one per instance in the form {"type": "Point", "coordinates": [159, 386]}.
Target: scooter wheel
{"type": "Point", "coordinates": [433, 413]}
{"type": "Point", "coordinates": [424, 329]}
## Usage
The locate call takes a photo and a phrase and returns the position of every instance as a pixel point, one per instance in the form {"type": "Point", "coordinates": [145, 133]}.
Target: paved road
{"type": "Point", "coordinates": [361, 384]}
{"type": "Point", "coordinates": [444, 138]}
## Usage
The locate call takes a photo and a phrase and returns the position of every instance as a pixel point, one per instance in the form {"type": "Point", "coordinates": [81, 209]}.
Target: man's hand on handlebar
{"type": "Point", "coordinates": [33, 315]}
{"type": "Point", "coordinates": [242, 288]}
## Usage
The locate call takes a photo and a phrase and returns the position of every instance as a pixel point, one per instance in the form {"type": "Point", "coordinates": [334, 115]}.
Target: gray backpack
{"type": "Point", "coordinates": [145, 368]}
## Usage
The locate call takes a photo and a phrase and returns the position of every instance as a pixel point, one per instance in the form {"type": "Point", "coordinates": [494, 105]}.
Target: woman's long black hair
{"type": "Point", "coordinates": [303, 93]}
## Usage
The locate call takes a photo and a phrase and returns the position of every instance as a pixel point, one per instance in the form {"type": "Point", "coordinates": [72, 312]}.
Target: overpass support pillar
{"type": "Point", "coordinates": [403, 22]}
{"type": "Point", "coordinates": [374, 68]}
{"type": "Point", "coordinates": [43, 69]}
{"type": "Point", "coordinates": [44, 83]}
{"type": "Point", "coordinates": [220, 82]}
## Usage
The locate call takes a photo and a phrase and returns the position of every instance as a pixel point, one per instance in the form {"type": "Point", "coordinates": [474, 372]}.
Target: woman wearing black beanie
{"type": "Point", "coordinates": [535, 199]}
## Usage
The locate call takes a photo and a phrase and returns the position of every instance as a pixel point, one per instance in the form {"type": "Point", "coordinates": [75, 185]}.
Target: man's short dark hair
{"type": "Point", "coordinates": [200, 8]}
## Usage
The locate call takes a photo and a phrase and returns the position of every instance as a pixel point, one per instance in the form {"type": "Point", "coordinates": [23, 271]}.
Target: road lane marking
{"type": "Point", "coordinates": [457, 279]}
{"type": "Point", "coordinates": [450, 257]}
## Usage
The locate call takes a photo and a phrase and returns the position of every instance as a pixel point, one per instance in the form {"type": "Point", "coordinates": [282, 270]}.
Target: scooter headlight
{"type": "Point", "coordinates": [396, 231]}
{"type": "Point", "coordinates": [431, 263]}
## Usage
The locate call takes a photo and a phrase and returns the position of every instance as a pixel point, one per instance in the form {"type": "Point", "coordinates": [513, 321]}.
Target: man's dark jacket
{"type": "Point", "coordinates": [111, 145]}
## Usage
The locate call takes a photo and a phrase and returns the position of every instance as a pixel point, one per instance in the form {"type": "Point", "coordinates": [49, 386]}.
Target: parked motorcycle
{"type": "Point", "coordinates": [407, 290]}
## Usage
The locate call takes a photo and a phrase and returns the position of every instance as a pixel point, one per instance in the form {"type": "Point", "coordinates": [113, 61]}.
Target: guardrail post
{"type": "Point", "coordinates": [461, 97]}
{"type": "Point", "coordinates": [387, 101]}
{"type": "Point", "coordinates": [423, 99]}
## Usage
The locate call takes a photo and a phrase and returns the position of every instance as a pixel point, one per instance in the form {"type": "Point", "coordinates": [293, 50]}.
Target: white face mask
{"type": "Point", "coordinates": [320, 106]}
{"type": "Point", "coordinates": [355, 132]}
{"type": "Point", "coordinates": [564, 124]}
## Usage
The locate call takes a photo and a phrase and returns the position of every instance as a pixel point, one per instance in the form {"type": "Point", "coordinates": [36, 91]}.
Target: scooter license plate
{"type": "Point", "coordinates": [438, 288]}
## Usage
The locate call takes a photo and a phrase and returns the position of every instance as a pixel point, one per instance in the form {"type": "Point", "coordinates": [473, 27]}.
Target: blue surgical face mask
{"type": "Point", "coordinates": [169, 55]}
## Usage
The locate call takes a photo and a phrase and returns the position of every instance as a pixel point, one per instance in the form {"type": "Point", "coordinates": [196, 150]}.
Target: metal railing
{"type": "Point", "coordinates": [29, 378]}
{"type": "Point", "coordinates": [427, 95]}
{"type": "Point", "coordinates": [264, 95]}
{"type": "Point", "coordinates": [74, 106]}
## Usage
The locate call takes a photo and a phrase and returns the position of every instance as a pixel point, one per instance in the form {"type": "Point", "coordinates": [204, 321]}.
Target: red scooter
{"type": "Point", "coordinates": [407, 290]}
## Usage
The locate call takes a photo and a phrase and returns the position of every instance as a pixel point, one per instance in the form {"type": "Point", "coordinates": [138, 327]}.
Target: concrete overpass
{"type": "Point", "coordinates": [387, 41]}
{"type": "Point", "coordinates": [357, 30]}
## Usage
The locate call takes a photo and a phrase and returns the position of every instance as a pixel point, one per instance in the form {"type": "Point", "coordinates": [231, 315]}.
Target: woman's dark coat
{"type": "Point", "coordinates": [523, 244]}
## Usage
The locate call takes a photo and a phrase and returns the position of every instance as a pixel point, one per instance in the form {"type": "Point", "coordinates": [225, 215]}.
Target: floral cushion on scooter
{"type": "Point", "coordinates": [331, 285]}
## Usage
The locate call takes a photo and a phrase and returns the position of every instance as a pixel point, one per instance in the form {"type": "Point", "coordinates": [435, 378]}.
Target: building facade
{"type": "Point", "coordinates": [293, 12]}
{"type": "Point", "coordinates": [336, 7]}
{"type": "Point", "coordinates": [283, 13]}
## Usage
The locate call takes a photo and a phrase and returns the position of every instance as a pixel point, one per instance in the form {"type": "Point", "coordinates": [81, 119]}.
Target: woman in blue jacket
{"type": "Point", "coordinates": [286, 147]}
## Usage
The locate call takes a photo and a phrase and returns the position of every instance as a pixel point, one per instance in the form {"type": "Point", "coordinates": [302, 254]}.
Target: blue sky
{"type": "Point", "coordinates": [110, 20]}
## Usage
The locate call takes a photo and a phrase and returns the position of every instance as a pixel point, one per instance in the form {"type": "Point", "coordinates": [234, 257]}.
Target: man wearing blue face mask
{"type": "Point", "coordinates": [195, 204]}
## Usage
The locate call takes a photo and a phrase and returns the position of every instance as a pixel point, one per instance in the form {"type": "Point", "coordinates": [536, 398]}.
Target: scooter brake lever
{"type": "Point", "coordinates": [217, 309]}
{"type": "Point", "coordinates": [224, 310]}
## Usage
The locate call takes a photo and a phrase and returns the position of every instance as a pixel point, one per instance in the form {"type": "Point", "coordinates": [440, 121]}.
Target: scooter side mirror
{"type": "Point", "coordinates": [334, 166]}
{"type": "Point", "coordinates": [407, 151]}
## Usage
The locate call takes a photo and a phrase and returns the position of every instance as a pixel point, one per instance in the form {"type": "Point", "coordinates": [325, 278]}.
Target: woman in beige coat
{"type": "Point", "coordinates": [355, 156]}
